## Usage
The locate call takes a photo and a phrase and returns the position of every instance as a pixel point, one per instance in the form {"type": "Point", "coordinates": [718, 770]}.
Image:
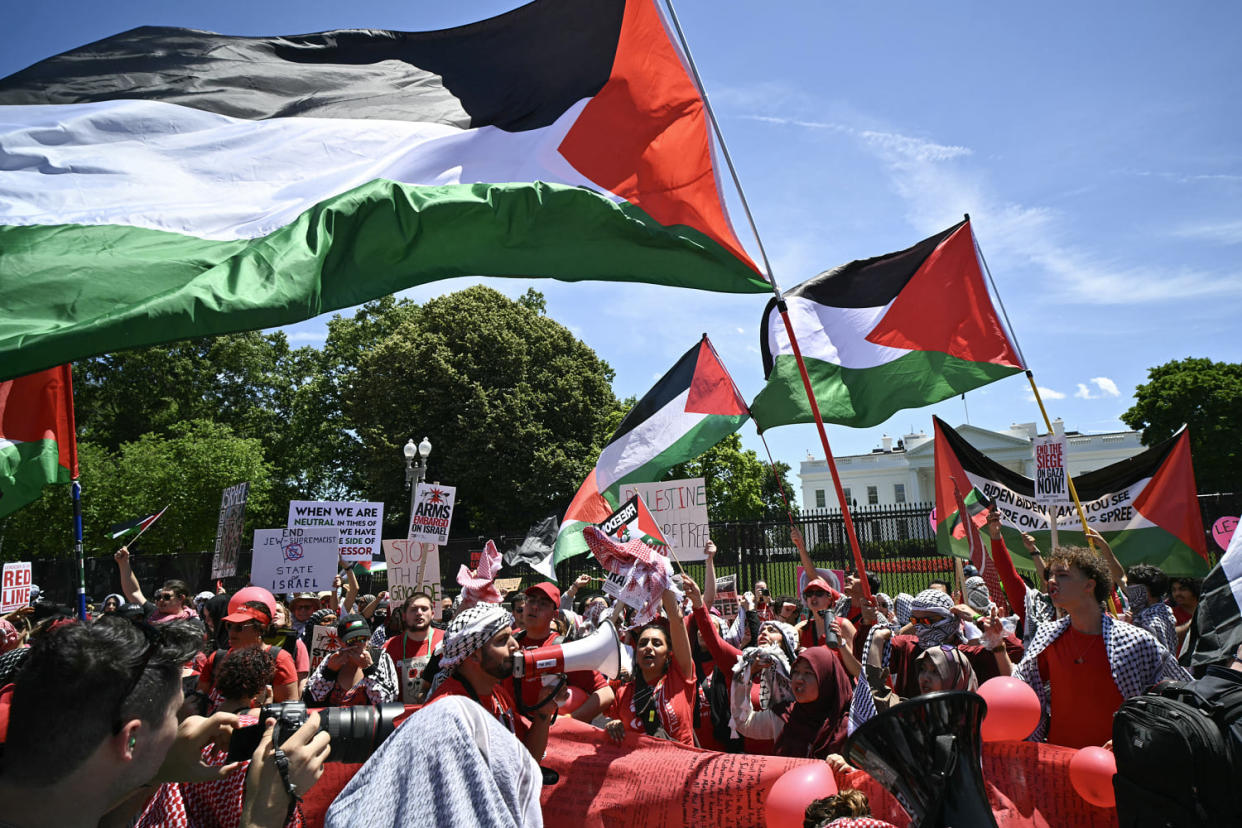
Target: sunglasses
{"type": "Point", "coordinates": [165, 596]}
{"type": "Point", "coordinates": [924, 622]}
{"type": "Point", "coordinates": [814, 593]}
{"type": "Point", "coordinates": [233, 626]}
{"type": "Point", "coordinates": [154, 639]}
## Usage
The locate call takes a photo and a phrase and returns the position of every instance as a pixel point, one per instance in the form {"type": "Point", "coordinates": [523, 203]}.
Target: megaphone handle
{"type": "Point", "coordinates": [527, 711]}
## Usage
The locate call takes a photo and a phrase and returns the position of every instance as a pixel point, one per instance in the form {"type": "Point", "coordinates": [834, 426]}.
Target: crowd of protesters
{"type": "Point", "coordinates": [132, 711]}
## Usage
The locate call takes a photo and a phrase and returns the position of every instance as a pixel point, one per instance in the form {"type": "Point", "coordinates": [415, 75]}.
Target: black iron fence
{"type": "Point", "coordinates": [898, 544]}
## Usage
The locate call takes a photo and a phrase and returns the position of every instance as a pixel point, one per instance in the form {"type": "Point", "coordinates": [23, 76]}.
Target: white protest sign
{"type": "Point", "coordinates": [15, 586]}
{"type": "Point", "coordinates": [359, 524]}
{"type": "Point", "coordinates": [726, 596]}
{"type": "Point", "coordinates": [323, 644]}
{"type": "Point", "coordinates": [1051, 470]}
{"type": "Point", "coordinates": [616, 583]}
{"type": "Point", "coordinates": [294, 560]}
{"type": "Point", "coordinates": [433, 512]}
{"type": "Point", "coordinates": [679, 507]}
{"type": "Point", "coordinates": [412, 567]}
{"type": "Point", "coordinates": [229, 530]}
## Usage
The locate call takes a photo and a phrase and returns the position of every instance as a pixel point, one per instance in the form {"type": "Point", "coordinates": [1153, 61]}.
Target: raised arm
{"type": "Point", "coordinates": [723, 653]}
{"type": "Point", "coordinates": [679, 638]}
{"type": "Point", "coordinates": [567, 599]}
{"type": "Point", "coordinates": [1114, 566]}
{"type": "Point", "coordinates": [709, 573]}
{"type": "Point", "coordinates": [129, 582]}
{"type": "Point", "coordinates": [1015, 590]}
{"type": "Point", "coordinates": [795, 535]}
{"type": "Point", "coordinates": [1028, 540]}
{"type": "Point", "coordinates": [351, 588]}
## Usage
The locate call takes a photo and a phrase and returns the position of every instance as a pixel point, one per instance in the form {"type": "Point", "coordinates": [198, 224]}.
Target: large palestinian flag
{"type": "Point", "coordinates": [1146, 507]}
{"type": "Point", "coordinates": [38, 446]}
{"type": "Point", "coordinates": [692, 408]}
{"type": "Point", "coordinates": [878, 335]}
{"type": "Point", "coordinates": [167, 183]}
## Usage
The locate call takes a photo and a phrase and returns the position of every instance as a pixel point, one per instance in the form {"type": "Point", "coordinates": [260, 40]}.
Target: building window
{"type": "Point", "coordinates": [873, 495]}
{"type": "Point", "coordinates": [819, 499]}
{"type": "Point", "coordinates": [899, 492]}
{"type": "Point", "coordinates": [848, 499]}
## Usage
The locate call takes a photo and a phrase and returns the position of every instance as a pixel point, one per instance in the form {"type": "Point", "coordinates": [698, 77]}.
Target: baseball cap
{"type": "Point", "coordinates": [547, 589]}
{"type": "Point", "coordinates": [352, 628]}
{"type": "Point", "coordinates": [820, 583]}
{"type": "Point", "coordinates": [243, 614]}
{"type": "Point", "coordinates": [306, 596]}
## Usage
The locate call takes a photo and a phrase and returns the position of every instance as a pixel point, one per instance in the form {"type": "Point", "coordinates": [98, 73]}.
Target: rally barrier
{"type": "Point", "coordinates": [647, 782]}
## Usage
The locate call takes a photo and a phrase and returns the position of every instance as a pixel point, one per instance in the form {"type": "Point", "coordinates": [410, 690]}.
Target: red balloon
{"type": "Point", "coordinates": [576, 697]}
{"type": "Point", "coordinates": [253, 593]}
{"type": "Point", "coordinates": [1013, 709]}
{"type": "Point", "coordinates": [1092, 770]}
{"type": "Point", "coordinates": [785, 806]}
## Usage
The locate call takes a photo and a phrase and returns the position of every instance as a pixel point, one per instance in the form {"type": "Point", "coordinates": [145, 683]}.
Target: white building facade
{"type": "Point", "coordinates": [903, 472]}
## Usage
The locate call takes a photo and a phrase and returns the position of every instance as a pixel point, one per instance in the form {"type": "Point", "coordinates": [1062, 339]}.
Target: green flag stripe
{"type": "Point", "coordinates": [865, 397]}
{"type": "Point", "coordinates": [25, 468]}
{"type": "Point", "coordinates": [690, 445]}
{"type": "Point", "coordinates": [71, 291]}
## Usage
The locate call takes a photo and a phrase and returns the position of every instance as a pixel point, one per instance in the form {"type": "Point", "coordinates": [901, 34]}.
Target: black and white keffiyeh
{"type": "Point", "coordinates": [469, 631]}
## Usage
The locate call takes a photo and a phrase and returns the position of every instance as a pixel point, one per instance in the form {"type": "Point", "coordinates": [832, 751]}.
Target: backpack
{"type": "Point", "coordinates": [1179, 753]}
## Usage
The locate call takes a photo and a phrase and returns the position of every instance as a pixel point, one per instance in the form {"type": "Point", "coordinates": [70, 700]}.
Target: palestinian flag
{"type": "Point", "coordinates": [179, 183]}
{"type": "Point", "coordinates": [1146, 506]}
{"type": "Point", "coordinates": [879, 335]}
{"type": "Point", "coordinates": [692, 408]}
{"type": "Point", "coordinates": [136, 526]}
{"type": "Point", "coordinates": [38, 445]}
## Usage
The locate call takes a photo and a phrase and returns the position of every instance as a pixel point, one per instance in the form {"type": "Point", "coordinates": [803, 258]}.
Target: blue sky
{"type": "Point", "coordinates": [1097, 147]}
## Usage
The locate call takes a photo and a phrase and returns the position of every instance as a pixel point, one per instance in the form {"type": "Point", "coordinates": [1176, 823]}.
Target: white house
{"type": "Point", "coordinates": [903, 473]}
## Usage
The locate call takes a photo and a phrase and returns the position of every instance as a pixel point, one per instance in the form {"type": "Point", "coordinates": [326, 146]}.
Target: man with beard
{"type": "Point", "coordinates": [411, 650]}
{"type": "Point", "coordinates": [542, 603]}
{"type": "Point", "coordinates": [937, 622]}
{"type": "Point", "coordinates": [476, 660]}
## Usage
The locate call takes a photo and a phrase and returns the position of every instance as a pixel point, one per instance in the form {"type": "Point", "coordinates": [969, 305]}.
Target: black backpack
{"type": "Point", "coordinates": [1179, 754]}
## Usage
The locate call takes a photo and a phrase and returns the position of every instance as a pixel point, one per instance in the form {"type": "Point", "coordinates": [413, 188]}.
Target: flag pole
{"type": "Point", "coordinates": [144, 529]}
{"type": "Point", "coordinates": [76, 492]}
{"type": "Point", "coordinates": [780, 303]}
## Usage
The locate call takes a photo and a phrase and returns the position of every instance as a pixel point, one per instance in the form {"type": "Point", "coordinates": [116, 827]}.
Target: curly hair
{"type": "Point", "coordinates": [1192, 585]}
{"type": "Point", "coordinates": [846, 803]}
{"type": "Point", "coordinates": [244, 673]}
{"type": "Point", "coordinates": [1089, 563]}
{"type": "Point", "coordinates": [1152, 577]}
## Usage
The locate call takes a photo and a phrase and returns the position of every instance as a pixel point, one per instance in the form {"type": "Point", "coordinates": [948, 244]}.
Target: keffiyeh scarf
{"type": "Point", "coordinates": [937, 602]}
{"type": "Point", "coordinates": [481, 584]}
{"type": "Point", "coordinates": [469, 631]}
{"type": "Point", "coordinates": [647, 572]}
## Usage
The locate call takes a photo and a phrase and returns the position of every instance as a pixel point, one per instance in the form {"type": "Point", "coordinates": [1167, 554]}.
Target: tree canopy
{"type": "Point", "coordinates": [739, 485]}
{"type": "Point", "coordinates": [1206, 396]}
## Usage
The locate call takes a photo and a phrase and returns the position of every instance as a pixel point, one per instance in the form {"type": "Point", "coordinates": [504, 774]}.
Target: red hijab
{"type": "Point", "coordinates": [819, 728]}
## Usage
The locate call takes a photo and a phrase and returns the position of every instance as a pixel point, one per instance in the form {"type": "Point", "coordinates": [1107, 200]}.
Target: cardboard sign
{"type": "Point", "coordinates": [433, 513]}
{"type": "Point", "coordinates": [412, 567]}
{"type": "Point", "coordinates": [15, 584]}
{"type": "Point", "coordinates": [229, 530]}
{"type": "Point", "coordinates": [1223, 529]}
{"type": "Point", "coordinates": [295, 560]}
{"type": "Point", "coordinates": [507, 585]}
{"type": "Point", "coordinates": [323, 644]}
{"type": "Point", "coordinates": [358, 524]}
{"type": "Point", "coordinates": [679, 508]}
{"type": "Point", "coordinates": [1051, 470]}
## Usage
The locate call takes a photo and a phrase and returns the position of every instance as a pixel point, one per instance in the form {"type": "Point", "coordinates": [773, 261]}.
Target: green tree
{"type": "Point", "coordinates": [186, 469]}
{"type": "Point", "coordinates": [1206, 396]}
{"type": "Point", "coordinates": [514, 405]}
{"type": "Point", "coordinates": [739, 485]}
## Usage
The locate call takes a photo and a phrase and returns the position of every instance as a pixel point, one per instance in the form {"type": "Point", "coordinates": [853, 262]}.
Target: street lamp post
{"type": "Point", "coordinates": [415, 472]}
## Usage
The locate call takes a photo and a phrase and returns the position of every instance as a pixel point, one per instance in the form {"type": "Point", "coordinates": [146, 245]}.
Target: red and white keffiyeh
{"type": "Point", "coordinates": [481, 584]}
{"type": "Point", "coordinates": [648, 573]}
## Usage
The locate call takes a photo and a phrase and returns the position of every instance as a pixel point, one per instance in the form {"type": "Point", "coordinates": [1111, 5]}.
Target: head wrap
{"type": "Point", "coordinates": [481, 583]}
{"type": "Point", "coordinates": [978, 595]}
{"type": "Point", "coordinates": [901, 607]}
{"type": "Point", "coordinates": [953, 668]}
{"type": "Point", "coordinates": [789, 638]}
{"type": "Point", "coordinates": [938, 603]}
{"type": "Point", "coordinates": [469, 631]}
{"type": "Point", "coordinates": [818, 728]}
{"type": "Point", "coordinates": [884, 601]}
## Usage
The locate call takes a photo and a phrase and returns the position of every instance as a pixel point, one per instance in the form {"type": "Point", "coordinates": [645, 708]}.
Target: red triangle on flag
{"type": "Point", "coordinates": [711, 388]}
{"type": "Point", "coordinates": [1164, 500]}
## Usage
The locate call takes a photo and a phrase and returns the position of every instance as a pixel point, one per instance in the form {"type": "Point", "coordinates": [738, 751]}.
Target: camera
{"type": "Point", "coordinates": [355, 732]}
{"type": "Point", "coordinates": [831, 639]}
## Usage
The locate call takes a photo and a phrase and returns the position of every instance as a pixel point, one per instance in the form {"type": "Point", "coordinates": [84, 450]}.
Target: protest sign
{"type": "Point", "coordinates": [433, 512]}
{"type": "Point", "coordinates": [679, 508]}
{"type": "Point", "coordinates": [294, 560]}
{"type": "Point", "coordinates": [15, 584]}
{"type": "Point", "coordinates": [726, 596]}
{"type": "Point", "coordinates": [1051, 471]}
{"type": "Point", "coordinates": [323, 644]}
{"type": "Point", "coordinates": [634, 520]}
{"type": "Point", "coordinates": [229, 530]}
{"type": "Point", "coordinates": [358, 524]}
{"type": "Point", "coordinates": [412, 567]}
{"type": "Point", "coordinates": [1223, 529]}
{"type": "Point", "coordinates": [507, 585]}
{"type": "Point", "coordinates": [834, 577]}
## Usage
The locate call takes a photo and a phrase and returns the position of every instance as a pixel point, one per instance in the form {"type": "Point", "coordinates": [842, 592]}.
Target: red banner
{"type": "Point", "coordinates": [646, 782]}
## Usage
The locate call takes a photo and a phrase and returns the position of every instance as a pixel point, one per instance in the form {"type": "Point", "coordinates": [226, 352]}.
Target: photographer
{"type": "Point", "coordinates": [93, 723]}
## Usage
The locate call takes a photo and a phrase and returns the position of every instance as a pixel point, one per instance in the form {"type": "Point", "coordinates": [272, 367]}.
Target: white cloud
{"type": "Point", "coordinates": [1105, 388]}
{"type": "Point", "coordinates": [1044, 393]}
{"type": "Point", "coordinates": [1224, 232]}
{"type": "Point", "coordinates": [307, 336]}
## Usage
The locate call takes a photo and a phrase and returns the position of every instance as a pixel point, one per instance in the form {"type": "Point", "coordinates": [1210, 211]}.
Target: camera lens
{"type": "Point", "coordinates": [356, 732]}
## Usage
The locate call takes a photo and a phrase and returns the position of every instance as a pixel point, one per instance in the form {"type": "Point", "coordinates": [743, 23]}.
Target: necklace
{"type": "Point", "coordinates": [1082, 656]}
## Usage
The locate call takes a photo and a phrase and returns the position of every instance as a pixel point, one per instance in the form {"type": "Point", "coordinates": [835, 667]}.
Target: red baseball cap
{"type": "Point", "coordinates": [548, 589]}
{"type": "Point", "coordinates": [820, 583]}
{"type": "Point", "coordinates": [243, 614]}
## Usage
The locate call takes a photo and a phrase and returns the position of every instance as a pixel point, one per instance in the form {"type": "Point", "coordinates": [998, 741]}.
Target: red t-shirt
{"type": "Point", "coordinates": [533, 688]}
{"type": "Point", "coordinates": [1084, 696]}
{"type": "Point", "coordinates": [1181, 616]}
{"type": "Point", "coordinates": [407, 655]}
{"type": "Point", "coordinates": [674, 698]}
{"type": "Point", "coordinates": [499, 703]}
{"type": "Point", "coordinates": [286, 673]}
